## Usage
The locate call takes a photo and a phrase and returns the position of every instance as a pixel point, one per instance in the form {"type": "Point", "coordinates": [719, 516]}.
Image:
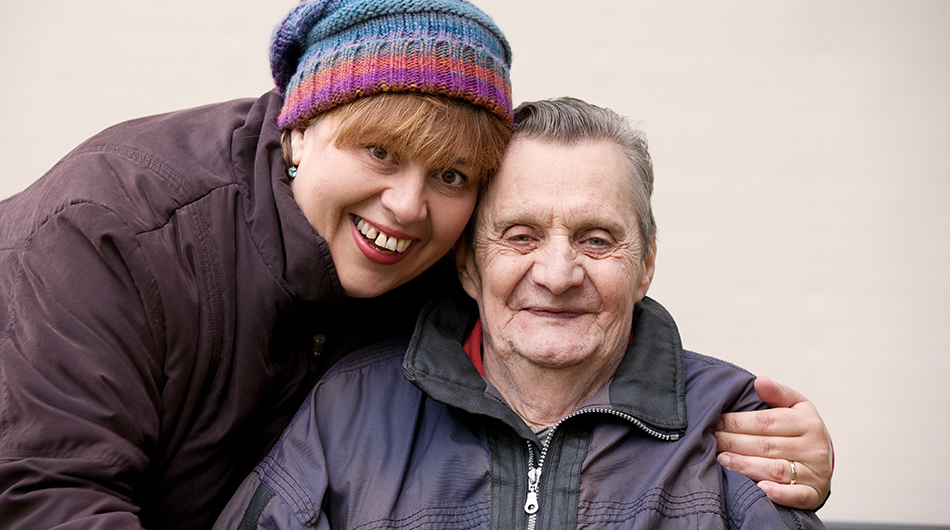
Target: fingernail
{"type": "Point", "coordinates": [724, 459]}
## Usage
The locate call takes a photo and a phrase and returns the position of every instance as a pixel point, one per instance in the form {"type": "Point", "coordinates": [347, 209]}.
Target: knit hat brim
{"type": "Point", "coordinates": [365, 47]}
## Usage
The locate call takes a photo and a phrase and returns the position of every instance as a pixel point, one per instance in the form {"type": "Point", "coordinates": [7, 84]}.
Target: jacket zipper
{"type": "Point", "coordinates": [534, 480]}
{"type": "Point", "coordinates": [532, 502]}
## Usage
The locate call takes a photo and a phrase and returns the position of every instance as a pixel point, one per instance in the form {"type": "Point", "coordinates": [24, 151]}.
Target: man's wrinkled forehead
{"type": "Point", "coordinates": [520, 193]}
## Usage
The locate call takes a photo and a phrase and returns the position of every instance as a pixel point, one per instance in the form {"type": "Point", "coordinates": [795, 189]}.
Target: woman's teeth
{"type": "Point", "coordinates": [381, 239]}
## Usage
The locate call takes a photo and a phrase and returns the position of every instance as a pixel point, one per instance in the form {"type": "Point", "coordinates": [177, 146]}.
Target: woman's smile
{"type": "Point", "coordinates": [376, 245]}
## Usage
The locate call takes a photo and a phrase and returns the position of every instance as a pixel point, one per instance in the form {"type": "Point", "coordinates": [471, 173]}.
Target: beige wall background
{"type": "Point", "coordinates": [801, 162]}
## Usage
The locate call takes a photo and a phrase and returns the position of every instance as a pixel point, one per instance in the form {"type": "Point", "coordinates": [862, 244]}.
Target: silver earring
{"type": "Point", "coordinates": [292, 171]}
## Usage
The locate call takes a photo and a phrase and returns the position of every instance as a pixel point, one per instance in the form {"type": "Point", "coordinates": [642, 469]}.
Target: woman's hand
{"type": "Point", "coordinates": [768, 446]}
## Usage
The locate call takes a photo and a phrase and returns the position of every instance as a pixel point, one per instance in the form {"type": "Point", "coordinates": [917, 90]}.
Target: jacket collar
{"type": "Point", "coordinates": [650, 383]}
{"type": "Point", "coordinates": [293, 252]}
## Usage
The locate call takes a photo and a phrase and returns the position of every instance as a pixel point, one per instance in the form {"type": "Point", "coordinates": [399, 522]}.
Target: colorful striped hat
{"type": "Point", "coordinates": [330, 52]}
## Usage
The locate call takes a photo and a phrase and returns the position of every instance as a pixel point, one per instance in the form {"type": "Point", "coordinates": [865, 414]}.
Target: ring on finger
{"type": "Point", "coordinates": [794, 473]}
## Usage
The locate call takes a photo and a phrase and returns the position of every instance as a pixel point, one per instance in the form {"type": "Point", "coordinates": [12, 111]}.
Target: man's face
{"type": "Point", "coordinates": [558, 264]}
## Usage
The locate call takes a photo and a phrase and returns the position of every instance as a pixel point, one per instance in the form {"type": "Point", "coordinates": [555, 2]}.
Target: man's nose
{"type": "Point", "coordinates": [557, 268]}
{"type": "Point", "coordinates": [405, 197]}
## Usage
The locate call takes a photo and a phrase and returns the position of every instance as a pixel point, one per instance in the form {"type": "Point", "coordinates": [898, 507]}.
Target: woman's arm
{"type": "Point", "coordinates": [764, 444]}
{"type": "Point", "coordinates": [78, 383]}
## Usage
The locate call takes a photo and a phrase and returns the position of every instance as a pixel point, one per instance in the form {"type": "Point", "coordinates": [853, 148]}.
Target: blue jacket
{"type": "Point", "coordinates": [407, 434]}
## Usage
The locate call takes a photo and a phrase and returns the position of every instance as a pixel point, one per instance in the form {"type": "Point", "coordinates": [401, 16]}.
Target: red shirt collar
{"type": "Point", "coordinates": [473, 347]}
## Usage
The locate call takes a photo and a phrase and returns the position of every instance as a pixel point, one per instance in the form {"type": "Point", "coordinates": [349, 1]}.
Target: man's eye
{"type": "Point", "coordinates": [453, 178]}
{"type": "Point", "coordinates": [521, 238]}
{"type": "Point", "coordinates": [380, 153]}
{"type": "Point", "coordinates": [598, 243]}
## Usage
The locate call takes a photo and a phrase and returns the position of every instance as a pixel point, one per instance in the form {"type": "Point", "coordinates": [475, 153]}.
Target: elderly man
{"type": "Point", "coordinates": [560, 398]}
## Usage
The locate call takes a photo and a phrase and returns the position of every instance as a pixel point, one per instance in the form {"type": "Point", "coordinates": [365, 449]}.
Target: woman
{"type": "Point", "coordinates": [173, 286]}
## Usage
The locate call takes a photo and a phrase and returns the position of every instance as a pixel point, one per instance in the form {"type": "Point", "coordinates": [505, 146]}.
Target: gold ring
{"type": "Point", "coordinates": [794, 473]}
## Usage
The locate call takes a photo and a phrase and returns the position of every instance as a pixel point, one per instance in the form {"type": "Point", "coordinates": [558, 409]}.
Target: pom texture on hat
{"type": "Point", "coordinates": [329, 52]}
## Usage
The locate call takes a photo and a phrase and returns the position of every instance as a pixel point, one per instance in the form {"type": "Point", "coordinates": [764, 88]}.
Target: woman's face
{"type": "Point", "coordinates": [385, 215]}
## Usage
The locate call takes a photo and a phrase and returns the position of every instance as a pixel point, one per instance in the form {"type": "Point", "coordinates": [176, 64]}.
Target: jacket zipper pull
{"type": "Point", "coordinates": [534, 478]}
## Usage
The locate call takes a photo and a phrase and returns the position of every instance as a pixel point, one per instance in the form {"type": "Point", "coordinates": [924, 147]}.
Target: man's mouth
{"type": "Point", "coordinates": [556, 313]}
{"type": "Point", "coordinates": [381, 240]}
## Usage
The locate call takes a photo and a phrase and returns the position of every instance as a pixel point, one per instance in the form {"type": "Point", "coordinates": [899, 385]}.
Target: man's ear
{"type": "Point", "coordinates": [649, 267]}
{"type": "Point", "coordinates": [465, 265]}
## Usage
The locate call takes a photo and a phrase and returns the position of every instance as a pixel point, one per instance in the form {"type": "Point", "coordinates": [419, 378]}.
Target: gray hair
{"type": "Point", "coordinates": [570, 121]}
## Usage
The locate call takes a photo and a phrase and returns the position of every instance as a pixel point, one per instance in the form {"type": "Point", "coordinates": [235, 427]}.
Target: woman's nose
{"type": "Point", "coordinates": [405, 197]}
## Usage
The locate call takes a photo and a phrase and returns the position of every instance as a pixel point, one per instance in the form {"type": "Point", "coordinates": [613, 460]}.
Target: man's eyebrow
{"type": "Point", "coordinates": [512, 216]}
{"type": "Point", "coordinates": [609, 225]}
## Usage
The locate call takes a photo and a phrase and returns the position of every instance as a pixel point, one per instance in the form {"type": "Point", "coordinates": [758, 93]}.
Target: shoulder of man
{"type": "Point", "coordinates": [709, 379]}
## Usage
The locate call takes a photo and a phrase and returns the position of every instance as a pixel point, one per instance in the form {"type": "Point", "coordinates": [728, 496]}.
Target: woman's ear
{"type": "Point", "coordinates": [297, 136]}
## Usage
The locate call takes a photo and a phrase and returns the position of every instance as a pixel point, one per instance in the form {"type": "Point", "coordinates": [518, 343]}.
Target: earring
{"type": "Point", "coordinates": [292, 171]}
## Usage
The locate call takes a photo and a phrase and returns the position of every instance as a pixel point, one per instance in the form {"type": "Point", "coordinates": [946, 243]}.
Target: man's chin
{"type": "Point", "coordinates": [558, 354]}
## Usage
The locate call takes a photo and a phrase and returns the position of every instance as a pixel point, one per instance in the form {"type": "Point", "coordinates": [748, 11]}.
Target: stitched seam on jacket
{"type": "Point", "coordinates": [291, 491]}
{"type": "Point", "coordinates": [748, 494]}
{"type": "Point", "coordinates": [447, 516]}
{"type": "Point", "coordinates": [158, 166]}
{"type": "Point", "coordinates": [213, 286]}
{"type": "Point", "coordinates": [656, 500]}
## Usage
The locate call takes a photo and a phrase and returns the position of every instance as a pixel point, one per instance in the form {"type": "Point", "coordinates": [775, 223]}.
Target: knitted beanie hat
{"type": "Point", "coordinates": [329, 52]}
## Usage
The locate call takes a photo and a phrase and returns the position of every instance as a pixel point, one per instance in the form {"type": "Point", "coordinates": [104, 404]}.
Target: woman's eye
{"type": "Point", "coordinates": [380, 153]}
{"type": "Point", "coordinates": [453, 178]}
